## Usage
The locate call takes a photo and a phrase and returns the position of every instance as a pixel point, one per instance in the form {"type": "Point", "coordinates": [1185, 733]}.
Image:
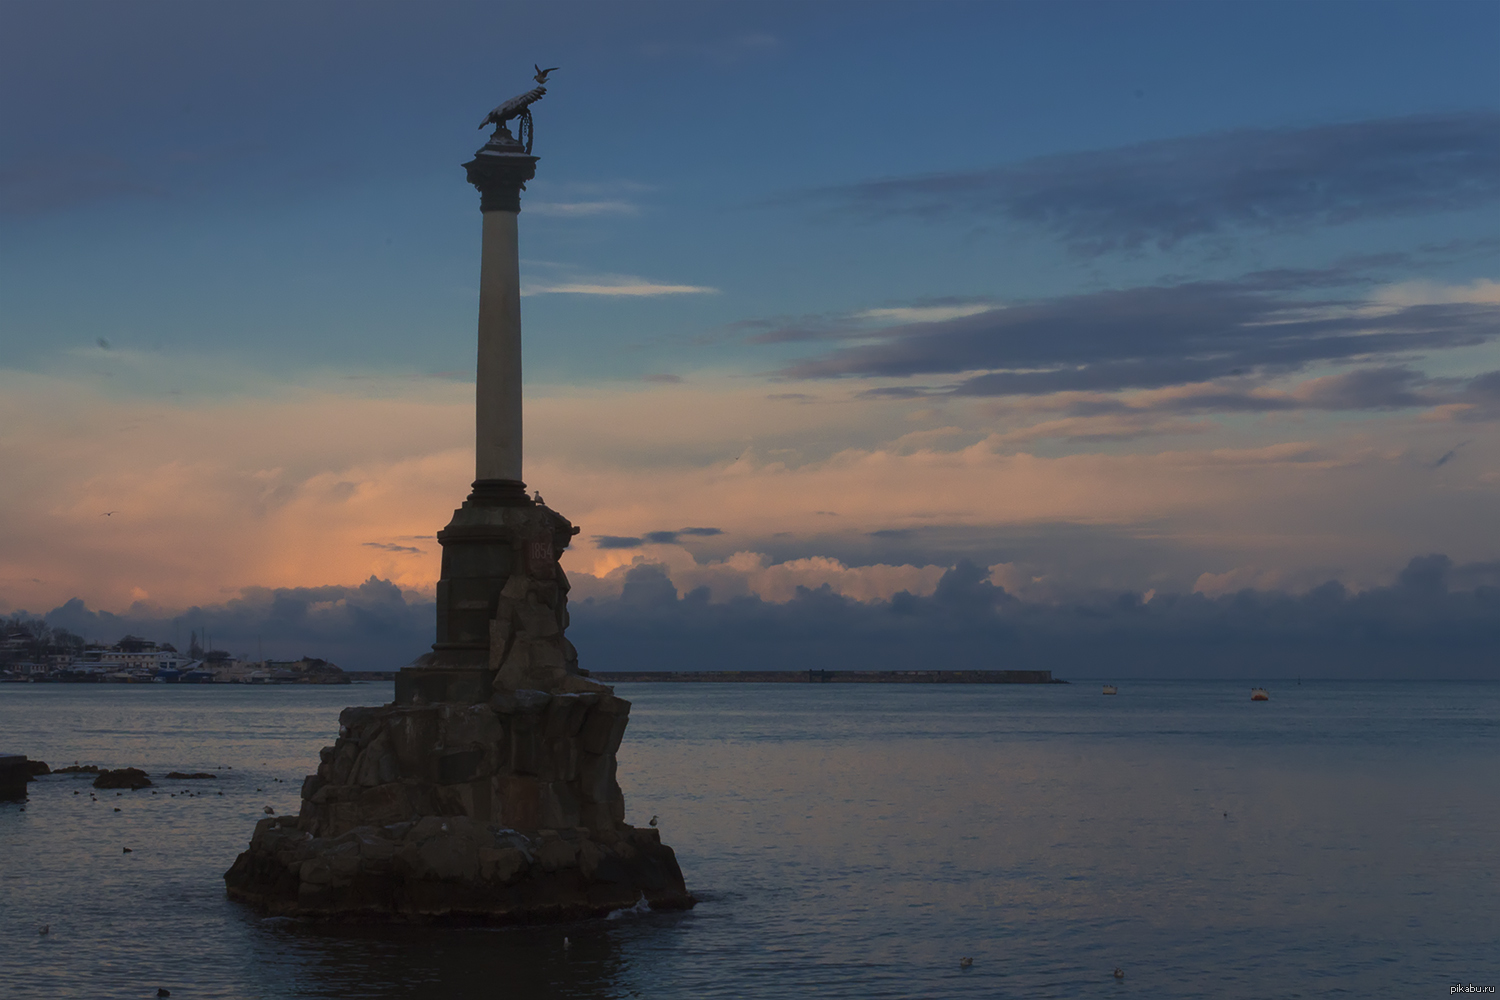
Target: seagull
{"type": "Point", "coordinates": [964, 963]}
{"type": "Point", "coordinates": [1119, 972]}
{"type": "Point", "coordinates": [109, 513]}
{"type": "Point", "coordinates": [44, 930]}
{"type": "Point", "coordinates": [541, 74]}
{"type": "Point", "coordinates": [538, 499]}
{"type": "Point", "coordinates": [270, 811]}
{"type": "Point", "coordinates": [567, 943]}
{"type": "Point", "coordinates": [653, 821]}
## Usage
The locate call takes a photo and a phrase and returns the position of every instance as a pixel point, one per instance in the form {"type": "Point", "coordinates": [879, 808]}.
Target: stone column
{"type": "Point", "coordinates": [497, 387]}
{"type": "Point", "coordinates": [500, 171]}
{"type": "Point", "coordinates": [499, 536]}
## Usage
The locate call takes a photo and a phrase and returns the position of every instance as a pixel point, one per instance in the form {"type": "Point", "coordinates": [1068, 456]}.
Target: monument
{"type": "Point", "coordinates": [486, 790]}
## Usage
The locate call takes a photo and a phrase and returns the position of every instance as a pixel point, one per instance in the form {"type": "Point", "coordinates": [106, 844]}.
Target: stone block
{"type": "Point", "coordinates": [531, 700]}
{"type": "Point", "coordinates": [589, 855]}
{"type": "Point", "coordinates": [386, 803]}
{"type": "Point", "coordinates": [565, 714]}
{"type": "Point", "coordinates": [558, 805]}
{"type": "Point", "coordinates": [604, 727]}
{"type": "Point", "coordinates": [448, 859]}
{"type": "Point", "coordinates": [554, 854]}
{"type": "Point", "coordinates": [373, 761]}
{"type": "Point", "coordinates": [426, 828]}
{"type": "Point", "coordinates": [562, 760]}
{"type": "Point", "coordinates": [433, 685]}
{"type": "Point", "coordinates": [617, 806]}
{"type": "Point", "coordinates": [458, 766]}
{"type": "Point", "coordinates": [413, 735]}
{"type": "Point", "coordinates": [353, 722]}
{"type": "Point", "coordinates": [343, 762]}
{"type": "Point", "coordinates": [470, 726]}
{"type": "Point", "coordinates": [501, 864]}
{"type": "Point", "coordinates": [537, 620]}
{"type": "Point", "coordinates": [595, 816]}
{"type": "Point", "coordinates": [526, 750]}
{"type": "Point", "coordinates": [519, 798]}
{"type": "Point", "coordinates": [596, 778]}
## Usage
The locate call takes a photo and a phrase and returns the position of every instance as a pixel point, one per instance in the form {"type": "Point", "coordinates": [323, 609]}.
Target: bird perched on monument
{"type": "Point", "coordinates": [541, 74]}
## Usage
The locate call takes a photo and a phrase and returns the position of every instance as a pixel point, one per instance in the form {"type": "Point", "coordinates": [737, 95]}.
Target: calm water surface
{"type": "Point", "coordinates": [846, 841]}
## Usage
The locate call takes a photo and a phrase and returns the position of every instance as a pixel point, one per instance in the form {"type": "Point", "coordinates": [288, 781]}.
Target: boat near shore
{"type": "Point", "coordinates": [1111, 689]}
{"type": "Point", "coordinates": [1259, 694]}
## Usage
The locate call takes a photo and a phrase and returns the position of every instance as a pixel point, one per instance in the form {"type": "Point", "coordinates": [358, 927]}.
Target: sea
{"type": "Point", "coordinates": [844, 840]}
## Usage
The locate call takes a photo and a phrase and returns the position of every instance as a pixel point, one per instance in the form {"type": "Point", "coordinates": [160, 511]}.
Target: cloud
{"type": "Point", "coordinates": [1151, 337]}
{"type": "Point", "coordinates": [1416, 627]}
{"type": "Point", "coordinates": [666, 378]}
{"type": "Point", "coordinates": [653, 538]}
{"type": "Point", "coordinates": [1437, 619]}
{"type": "Point", "coordinates": [608, 542]}
{"type": "Point", "coordinates": [581, 209]}
{"type": "Point", "coordinates": [372, 626]}
{"type": "Point", "coordinates": [1164, 192]}
{"type": "Point", "coordinates": [924, 314]}
{"type": "Point", "coordinates": [217, 492]}
{"type": "Point", "coordinates": [612, 284]}
{"type": "Point", "coordinates": [388, 547]}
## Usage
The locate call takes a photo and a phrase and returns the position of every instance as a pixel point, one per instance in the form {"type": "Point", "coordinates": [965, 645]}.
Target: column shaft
{"type": "Point", "coordinates": [497, 452]}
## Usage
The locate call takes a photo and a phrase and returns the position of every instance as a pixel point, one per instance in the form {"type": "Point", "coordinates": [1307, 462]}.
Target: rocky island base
{"type": "Point", "coordinates": [503, 811]}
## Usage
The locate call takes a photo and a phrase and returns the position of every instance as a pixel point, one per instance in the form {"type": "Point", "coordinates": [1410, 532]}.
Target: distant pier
{"type": "Point", "coordinates": [792, 676]}
{"type": "Point", "coordinates": [828, 676]}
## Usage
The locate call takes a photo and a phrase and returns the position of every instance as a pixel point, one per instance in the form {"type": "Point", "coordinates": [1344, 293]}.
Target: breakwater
{"type": "Point", "coordinates": [830, 676]}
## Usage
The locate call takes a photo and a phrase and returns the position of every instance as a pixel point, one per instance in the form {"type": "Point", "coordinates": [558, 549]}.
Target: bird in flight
{"type": "Point", "coordinates": [541, 74]}
{"type": "Point", "coordinates": [109, 513]}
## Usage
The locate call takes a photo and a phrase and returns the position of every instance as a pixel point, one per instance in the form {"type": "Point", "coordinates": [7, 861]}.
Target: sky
{"type": "Point", "coordinates": [1116, 338]}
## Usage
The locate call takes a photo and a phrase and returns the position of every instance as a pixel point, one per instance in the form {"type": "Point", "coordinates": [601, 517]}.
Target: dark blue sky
{"type": "Point", "coordinates": [1102, 298]}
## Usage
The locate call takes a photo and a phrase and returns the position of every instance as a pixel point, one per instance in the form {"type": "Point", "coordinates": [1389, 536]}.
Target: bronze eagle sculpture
{"type": "Point", "coordinates": [514, 108]}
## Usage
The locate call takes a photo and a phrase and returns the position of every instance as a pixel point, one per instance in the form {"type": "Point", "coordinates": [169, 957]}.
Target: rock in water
{"type": "Point", "coordinates": [14, 773]}
{"type": "Point", "coordinates": [499, 812]}
{"type": "Point", "coordinates": [125, 777]}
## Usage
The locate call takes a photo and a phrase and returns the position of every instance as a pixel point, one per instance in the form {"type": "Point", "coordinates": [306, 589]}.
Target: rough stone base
{"type": "Point", "coordinates": [506, 811]}
{"type": "Point", "coordinates": [454, 869]}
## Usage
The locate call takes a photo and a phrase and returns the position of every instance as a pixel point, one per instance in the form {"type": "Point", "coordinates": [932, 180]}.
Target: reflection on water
{"type": "Point", "coordinates": [848, 841]}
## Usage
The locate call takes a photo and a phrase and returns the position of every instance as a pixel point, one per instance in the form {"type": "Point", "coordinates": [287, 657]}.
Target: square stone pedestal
{"type": "Point", "coordinates": [431, 685]}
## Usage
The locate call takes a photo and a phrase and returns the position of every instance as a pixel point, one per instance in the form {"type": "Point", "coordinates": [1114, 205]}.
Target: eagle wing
{"type": "Point", "coordinates": [513, 107]}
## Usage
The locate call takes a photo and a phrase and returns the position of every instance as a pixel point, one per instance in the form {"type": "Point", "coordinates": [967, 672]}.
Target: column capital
{"type": "Point", "coordinates": [500, 174]}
